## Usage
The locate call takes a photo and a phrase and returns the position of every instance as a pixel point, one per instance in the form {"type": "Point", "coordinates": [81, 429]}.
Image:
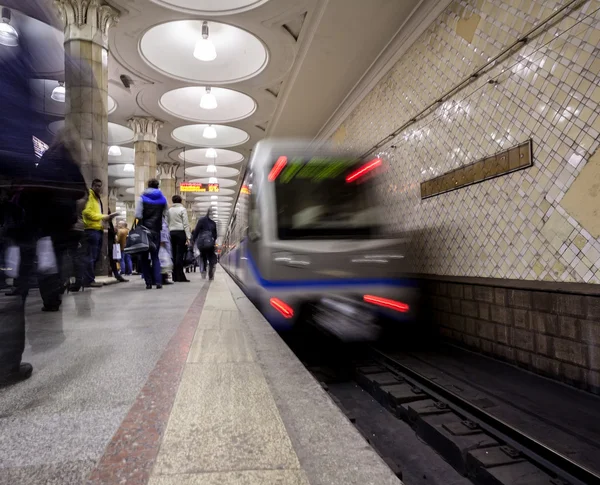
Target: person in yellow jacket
{"type": "Point", "coordinates": [93, 222]}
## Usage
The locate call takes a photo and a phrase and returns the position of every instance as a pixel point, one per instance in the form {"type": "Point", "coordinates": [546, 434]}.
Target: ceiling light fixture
{"type": "Point", "coordinates": [208, 100]}
{"type": "Point", "coordinates": [128, 168]}
{"type": "Point", "coordinates": [211, 153]}
{"type": "Point", "coordinates": [59, 93]}
{"type": "Point", "coordinates": [211, 169]}
{"type": "Point", "coordinates": [209, 132]}
{"type": "Point", "coordinates": [205, 49]}
{"type": "Point", "coordinates": [214, 197]}
{"type": "Point", "coordinates": [213, 180]}
{"type": "Point", "coordinates": [8, 34]}
{"type": "Point", "coordinates": [114, 151]}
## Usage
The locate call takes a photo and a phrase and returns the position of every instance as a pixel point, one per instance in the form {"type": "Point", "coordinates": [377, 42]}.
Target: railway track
{"type": "Point", "coordinates": [461, 420]}
{"type": "Point", "coordinates": [478, 444]}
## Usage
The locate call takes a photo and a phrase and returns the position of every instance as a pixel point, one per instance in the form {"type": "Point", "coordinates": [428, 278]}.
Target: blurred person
{"type": "Point", "coordinates": [58, 211]}
{"type": "Point", "coordinates": [150, 210]}
{"type": "Point", "coordinates": [112, 243]}
{"type": "Point", "coordinates": [165, 254]}
{"type": "Point", "coordinates": [126, 264]}
{"type": "Point", "coordinates": [179, 228]}
{"type": "Point", "coordinates": [93, 220]}
{"type": "Point", "coordinates": [40, 192]}
{"type": "Point", "coordinates": [75, 251]}
{"type": "Point", "coordinates": [205, 237]}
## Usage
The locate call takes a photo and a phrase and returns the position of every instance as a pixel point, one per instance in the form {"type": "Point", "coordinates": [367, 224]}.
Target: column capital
{"type": "Point", "coordinates": [167, 170]}
{"type": "Point", "coordinates": [145, 128]}
{"type": "Point", "coordinates": [87, 20]}
{"type": "Point", "coordinates": [129, 205]}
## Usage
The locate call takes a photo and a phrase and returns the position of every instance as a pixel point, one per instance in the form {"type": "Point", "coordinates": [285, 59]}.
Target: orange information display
{"type": "Point", "coordinates": [198, 187]}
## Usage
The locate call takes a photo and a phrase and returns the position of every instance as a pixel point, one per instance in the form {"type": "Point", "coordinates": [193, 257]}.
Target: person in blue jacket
{"type": "Point", "coordinates": [150, 211]}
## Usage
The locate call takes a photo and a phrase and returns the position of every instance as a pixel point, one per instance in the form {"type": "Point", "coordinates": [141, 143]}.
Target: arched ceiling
{"type": "Point", "coordinates": [282, 68]}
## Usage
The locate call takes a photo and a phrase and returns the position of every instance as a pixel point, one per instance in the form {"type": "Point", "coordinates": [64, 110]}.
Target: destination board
{"type": "Point", "coordinates": [198, 187]}
{"type": "Point", "coordinates": [315, 169]}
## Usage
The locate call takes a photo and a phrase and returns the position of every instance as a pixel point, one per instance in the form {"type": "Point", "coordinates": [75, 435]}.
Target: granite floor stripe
{"type": "Point", "coordinates": [132, 452]}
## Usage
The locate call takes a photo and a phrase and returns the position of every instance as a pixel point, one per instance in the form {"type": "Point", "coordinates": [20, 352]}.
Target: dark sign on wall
{"type": "Point", "coordinates": [511, 160]}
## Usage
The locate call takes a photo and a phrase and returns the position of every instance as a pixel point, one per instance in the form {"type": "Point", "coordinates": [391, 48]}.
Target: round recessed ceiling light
{"type": "Point", "coordinates": [117, 134]}
{"type": "Point", "coordinates": [208, 100]}
{"type": "Point", "coordinates": [194, 135]}
{"type": "Point", "coordinates": [207, 104]}
{"type": "Point", "coordinates": [211, 7]}
{"type": "Point", "coordinates": [9, 36]}
{"type": "Point", "coordinates": [120, 170]}
{"type": "Point", "coordinates": [204, 156]}
{"type": "Point", "coordinates": [203, 171]}
{"type": "Point", "coordinates": [205, 50]}
{"type": "Point", "coordinates": [59, 93]}
{"type": "Point", "coordinates": [114, 151]}
{"type": "Point", "coordinates": [221, 181]}
{"type": "Point", "coordinates": [239, 54]}
{"type": "Point", "coordinates": [209, 132]}
{"type": "Point", "coordinates": [49, 97]}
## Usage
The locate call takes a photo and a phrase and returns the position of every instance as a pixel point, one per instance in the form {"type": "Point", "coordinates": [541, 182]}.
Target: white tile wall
{"type": "Point", "coordinates": [549, 90]}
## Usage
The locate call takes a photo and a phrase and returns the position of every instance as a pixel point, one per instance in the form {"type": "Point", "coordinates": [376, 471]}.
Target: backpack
{"type": "Point", "coordinates": [206, 240]}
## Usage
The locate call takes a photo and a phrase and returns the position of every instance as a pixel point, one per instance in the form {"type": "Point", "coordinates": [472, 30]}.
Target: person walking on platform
{"type": "Point", "coordinates": [112, 244]}
{"type": "Point", "coordinates": [122, 233]}
{"type": "Point", "coordinates": [150, 210]}
{"type": "Point", "coordinates": [179, 228]}
{"type": "Point", "coordinates": [205, 237]}
{"type": "Point", "coordinates": [93, 221]}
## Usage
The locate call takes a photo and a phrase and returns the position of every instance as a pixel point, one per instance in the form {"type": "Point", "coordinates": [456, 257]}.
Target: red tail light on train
{"type": "Point", "coordinates": [282, 307]}
{"type": "Point", "coordinates": [387, 303]}
{"type": "Point", "coordinates": [365, 169]}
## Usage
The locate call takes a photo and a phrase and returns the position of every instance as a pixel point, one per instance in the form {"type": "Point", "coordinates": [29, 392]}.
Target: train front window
{"type": "Point", "coordinates": [324, 198]}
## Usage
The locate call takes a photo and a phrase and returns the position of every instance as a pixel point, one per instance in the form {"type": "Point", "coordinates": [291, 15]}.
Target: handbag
{"type": "Point", "coordinates": [189, 257]}
{"type": "Point", "coordinates": [12, 261]}
{"type": "Point", "coordinates": [116, 252]}
{"type": "Point", "coordinates": [46, 257]}
{"type": "Point", "coordinates": [166, 262]}
{"type": "Point", "coordinates": [139, 240]}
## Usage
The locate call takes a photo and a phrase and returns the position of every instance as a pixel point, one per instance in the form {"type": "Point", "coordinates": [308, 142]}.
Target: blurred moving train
{"type": "Point", "coordinates": [305, 238]}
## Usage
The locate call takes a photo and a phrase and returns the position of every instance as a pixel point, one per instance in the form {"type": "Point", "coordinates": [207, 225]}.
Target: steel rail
{"type": "Point", "coordinates": [548, 458]}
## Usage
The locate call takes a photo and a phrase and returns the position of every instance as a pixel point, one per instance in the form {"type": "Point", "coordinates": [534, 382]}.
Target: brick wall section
{"type": "Point", "coordinates": [551, 333]}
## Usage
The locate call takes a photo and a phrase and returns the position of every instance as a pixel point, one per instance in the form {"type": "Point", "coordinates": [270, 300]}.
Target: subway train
{"type": "Point", "coordinates": [305, 241]}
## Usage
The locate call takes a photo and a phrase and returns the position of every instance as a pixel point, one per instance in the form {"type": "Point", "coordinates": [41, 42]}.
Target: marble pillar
{"type": "Point", "coordinates": [113, 193]}
{"type": "Point", "coordinates": [145, 131]}
{"type": "Point", "coordinates": [130, 213]}
{"type": "Point", "coordinates": [191, 214]}
{"type": "Point", "coordinates": [168, 180]}
{"type": "Point", "coordinates": [86, 26]}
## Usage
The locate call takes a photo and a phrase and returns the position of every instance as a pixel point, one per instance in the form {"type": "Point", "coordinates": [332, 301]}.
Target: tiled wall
{"type": "Point", "coordinates": [513, 226]}
{"type": "Point", "coordinates": [554, 334]}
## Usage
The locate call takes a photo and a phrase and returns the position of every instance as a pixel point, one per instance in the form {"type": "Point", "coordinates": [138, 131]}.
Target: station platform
{"type": "Point", "coordinates": [184, 385]}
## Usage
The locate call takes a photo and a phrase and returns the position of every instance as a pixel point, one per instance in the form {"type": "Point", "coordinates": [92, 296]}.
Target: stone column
{"type": "Point", "coordinates": [145, 131]}
{"type": "Point", "coordinates": [113, 193]}
{"type": "Point", "coordinates": [130, 217]}
{"type": "Point", "coordinates": [86, 81]}
{"type": "Point", "coordinates": [191, 214]}
{"type": "Point", "coordinates": [168, 181]}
